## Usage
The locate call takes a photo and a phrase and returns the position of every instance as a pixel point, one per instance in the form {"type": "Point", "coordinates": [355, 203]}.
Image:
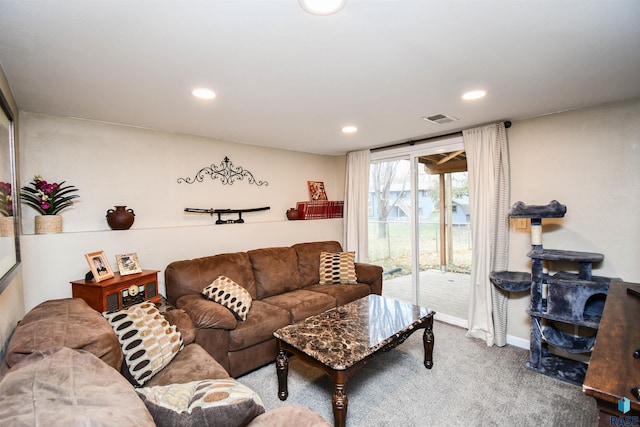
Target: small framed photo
{"type": "Point", "coordinates": [128, 264]}
{"type": "Point", "coordinates": [99, 266]}
{"type": "Point", "coordinates": [316, 190]}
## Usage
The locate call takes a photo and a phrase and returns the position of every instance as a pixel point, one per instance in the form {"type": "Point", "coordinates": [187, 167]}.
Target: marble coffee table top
{"type": "Point", "coordinates": [342, 336]}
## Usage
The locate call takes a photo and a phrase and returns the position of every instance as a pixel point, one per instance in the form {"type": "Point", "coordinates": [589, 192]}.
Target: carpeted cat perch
{"type": "Point", "coordinates": [565, 308]}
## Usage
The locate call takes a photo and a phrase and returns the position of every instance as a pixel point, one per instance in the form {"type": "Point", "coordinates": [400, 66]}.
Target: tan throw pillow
{"type": "Point", "coordinates": [338, 268]}
{"type": "Point", "coordinates": [148, 341]}
{"type": "Point", "coordinates": [228, 293]}
{"type": "Point", "coordinates": [222, 402]}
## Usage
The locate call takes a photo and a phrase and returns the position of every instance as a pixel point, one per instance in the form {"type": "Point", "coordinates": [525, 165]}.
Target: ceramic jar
{"type": "Point", "coordinates": [292, 214]}
{"type": "Point", "coordinates": [121, 218]}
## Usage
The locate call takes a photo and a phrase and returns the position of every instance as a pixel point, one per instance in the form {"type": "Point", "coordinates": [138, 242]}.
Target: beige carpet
{"type": "Point", "coordinates": [470, 385]}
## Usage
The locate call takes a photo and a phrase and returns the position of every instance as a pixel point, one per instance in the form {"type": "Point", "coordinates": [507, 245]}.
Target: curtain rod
{"type": "Point", "coordinates": [507, 125]}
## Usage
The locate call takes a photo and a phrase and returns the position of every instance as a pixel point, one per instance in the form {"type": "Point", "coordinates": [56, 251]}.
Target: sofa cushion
{"type": "Point", "coordinates": [265, 318]}
{"type": "Point", "coordinates": [337, 267]}
{"type": "Point", "coordinates": [207, 403]}
{"type": "Point", "coordinates": [302, 303]}
{"type": "Point", "coordinates": [343, 294]}
{"type": "Point", "coordinates": [191, 276]}
{"type": "Point", "coordinates": [229, 294]}
{"type": "Point", "coordinates": [147, 339]}
{"type": "Point", "coordinates": [68, 322]}
{"type": "Point", "coordinates": [309, 259]}
{"type": "Point", "coordinates": [191, 364]}
{"type": "Point", "coordinates": [65, 387]}
{"type": "Point", "coordinates": [275, 270]}
{"type": "Point", "coordinates": [290, 415]}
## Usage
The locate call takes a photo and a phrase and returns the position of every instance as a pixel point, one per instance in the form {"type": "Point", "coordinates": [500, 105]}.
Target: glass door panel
{"type": "Point", "coordinates": [419, 227]}
{"type": "Point", "coordinates": [390, 244]}
{"type": "Point", "coordinates": [444, 242]}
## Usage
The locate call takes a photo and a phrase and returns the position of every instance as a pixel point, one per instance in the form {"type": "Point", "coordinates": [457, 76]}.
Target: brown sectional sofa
{"type": "Point", "coordinates": [62, 367]}
{"type": "Point", "coordinates": [284, 286]}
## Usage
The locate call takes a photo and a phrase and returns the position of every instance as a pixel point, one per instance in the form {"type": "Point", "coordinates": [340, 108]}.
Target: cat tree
{"type": "Point", "coordinates": [561, 302]}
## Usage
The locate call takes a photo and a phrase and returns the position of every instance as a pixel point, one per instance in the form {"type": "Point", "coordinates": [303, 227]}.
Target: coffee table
{"type": "Point", "coordinates": [342, 340]}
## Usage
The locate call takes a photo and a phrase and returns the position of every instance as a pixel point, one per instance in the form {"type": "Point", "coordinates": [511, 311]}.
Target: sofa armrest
{"type": "Point", "coordinates": [68, 322]}
{"type": "Point", "coordinates": [181, 320]}
{"type": "Point", "coordinates": [370, 274]}
{"type": "Point", "coordinates": [207, 314]}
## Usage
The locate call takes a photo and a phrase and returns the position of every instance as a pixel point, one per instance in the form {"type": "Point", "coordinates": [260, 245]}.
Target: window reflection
{"type": "Point", "coordinates": [8, 207]}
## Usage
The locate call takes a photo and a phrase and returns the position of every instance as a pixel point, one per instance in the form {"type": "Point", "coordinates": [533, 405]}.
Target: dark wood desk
{"type": "Point", "coordinates": [613, 370]}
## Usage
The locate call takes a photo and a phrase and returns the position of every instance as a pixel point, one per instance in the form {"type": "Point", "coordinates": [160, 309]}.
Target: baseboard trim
{"type": "Point", "coordinates": [464, 323]}
{"type": "Point", "coordinates": [452, 320]}
{"type": "Point", "coordinates": [518, 342]}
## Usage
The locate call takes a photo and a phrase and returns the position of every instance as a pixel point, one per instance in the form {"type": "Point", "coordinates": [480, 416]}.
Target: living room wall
{"type": "Point", "coordinates": [122, 165]}
{"type": "Point", "coordinates": [588, 160]}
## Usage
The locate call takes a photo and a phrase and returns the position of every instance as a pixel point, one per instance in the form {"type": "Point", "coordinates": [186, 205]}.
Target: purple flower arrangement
{"type": "Point", "coordinates": [48, 198]}
{"type": "Point", "coordinates": [6, 199]}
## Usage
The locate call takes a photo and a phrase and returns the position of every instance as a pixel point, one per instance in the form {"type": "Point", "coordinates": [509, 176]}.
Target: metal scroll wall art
{"type": "Point", "coordinates": [226, 172]}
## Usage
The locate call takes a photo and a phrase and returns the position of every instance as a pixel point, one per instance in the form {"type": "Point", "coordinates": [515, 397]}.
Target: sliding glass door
{"type": "Point", "coordinates": [419, 226]}
{"type": "Point", "coordinates": [390, 216]}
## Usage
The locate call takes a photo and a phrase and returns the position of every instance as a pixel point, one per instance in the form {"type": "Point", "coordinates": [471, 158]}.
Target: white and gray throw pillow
{"type": "Point", "coordinates": [210, 403]}
{"type": "Point", "coordinates": [228, 293]}
{"type": "Point", "coordinates": [148, 341]}
{"type": "Point", "coordinates": [338, 268]}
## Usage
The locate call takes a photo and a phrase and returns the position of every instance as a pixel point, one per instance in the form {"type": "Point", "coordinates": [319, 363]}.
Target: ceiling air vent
{"type": "Point", "coordinates": [439, 119]}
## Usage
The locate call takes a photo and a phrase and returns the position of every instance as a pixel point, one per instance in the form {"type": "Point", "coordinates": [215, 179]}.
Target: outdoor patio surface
{"type": "Point", "coordinates": [445, 293]}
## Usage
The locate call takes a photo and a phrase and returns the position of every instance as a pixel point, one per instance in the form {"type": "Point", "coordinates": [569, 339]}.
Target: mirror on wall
{"type": "Point", "coordinates": [9, 251]}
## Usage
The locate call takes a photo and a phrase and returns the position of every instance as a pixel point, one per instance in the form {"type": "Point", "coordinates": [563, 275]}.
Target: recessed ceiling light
{"type": "Point", "coordinates": [322, 7]}
{"type": "Point", "coordinates": [349, 129]}
{"type": "Point", "coordinates": [474, 94]}
{"type": "Point", "coordinates": [203, 93]}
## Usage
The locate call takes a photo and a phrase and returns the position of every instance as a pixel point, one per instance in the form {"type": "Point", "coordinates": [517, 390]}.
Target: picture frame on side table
{"type": "Point", "coordinates": [316, 190]}
{"type": "Point", "coordinates": [128, 264]}
{"type": "Point", "coordinates": [99, 265]}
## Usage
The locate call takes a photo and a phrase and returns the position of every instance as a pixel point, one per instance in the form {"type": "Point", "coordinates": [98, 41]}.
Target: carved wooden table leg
{"type": "Point", "coordinates": [282, 369]}
{"type": "Point", "coordinates": [428, 341]}
{"type": "Point", "coordinates": [339, 402]}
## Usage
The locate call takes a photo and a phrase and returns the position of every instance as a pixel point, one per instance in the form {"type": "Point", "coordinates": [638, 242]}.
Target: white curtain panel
{"type": "Point", "coordinates": [356, 204]}
{"type": "Point", "coordinates": [488, 166]}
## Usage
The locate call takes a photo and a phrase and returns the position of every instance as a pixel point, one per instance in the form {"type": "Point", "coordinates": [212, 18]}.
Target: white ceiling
{"type": "Point", "coordinates": [290, 80]}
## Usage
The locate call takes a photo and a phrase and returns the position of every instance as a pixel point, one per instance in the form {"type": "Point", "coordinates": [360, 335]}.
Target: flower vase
{"type": "Point", "coordinates": [6, 226]}
{"type": "Point", "coordinates": [121, 218]}
{"type": "Point", "coordinates": [48, 224]}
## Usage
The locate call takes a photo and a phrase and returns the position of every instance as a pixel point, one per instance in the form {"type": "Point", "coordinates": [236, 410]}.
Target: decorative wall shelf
{"type": "Point", "coordinates": [320, 209]}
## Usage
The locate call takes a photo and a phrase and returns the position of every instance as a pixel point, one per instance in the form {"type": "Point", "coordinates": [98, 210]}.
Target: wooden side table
{"type": "Point", "coordinates": [118, 292]}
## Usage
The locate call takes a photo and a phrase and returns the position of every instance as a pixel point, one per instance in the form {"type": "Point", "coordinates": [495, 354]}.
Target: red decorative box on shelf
{"type": "Point", "coordinates": [320, 209]}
